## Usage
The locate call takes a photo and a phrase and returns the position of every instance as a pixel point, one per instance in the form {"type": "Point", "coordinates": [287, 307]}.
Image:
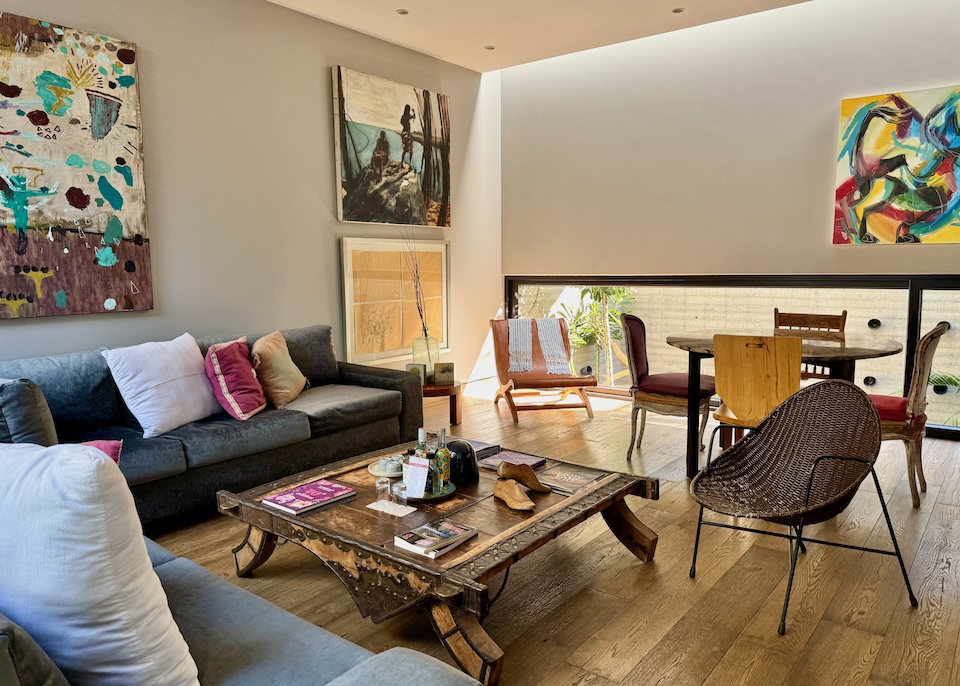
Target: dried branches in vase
{"type": "Point", "coordinates": [425, 348]}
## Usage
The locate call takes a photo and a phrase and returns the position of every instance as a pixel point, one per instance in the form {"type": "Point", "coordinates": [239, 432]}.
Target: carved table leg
{"type": "Point", "coordinates": [639, 538]}
{"type": "Point", "coordinates": [256, 548]}
{"type": "Point", "coordinates": [473, 649]}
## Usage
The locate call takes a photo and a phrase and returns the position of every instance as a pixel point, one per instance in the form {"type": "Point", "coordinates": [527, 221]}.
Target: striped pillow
{"type": "Point", "coordinates": [233, 378]}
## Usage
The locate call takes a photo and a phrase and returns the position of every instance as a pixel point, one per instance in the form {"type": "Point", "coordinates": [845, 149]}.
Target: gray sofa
{"type": "Point", "coordinates": [349, 409]}
{"type": "Point", "coordinates": [239, 639]}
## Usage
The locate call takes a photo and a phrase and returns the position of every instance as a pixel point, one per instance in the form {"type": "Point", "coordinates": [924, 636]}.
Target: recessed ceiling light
{"type": "Point", "coordinates": [489, 47]}
{"type": "Point", "coordinates": [403, 11]}
{"type": "Point", "coordinates": [678, 10]}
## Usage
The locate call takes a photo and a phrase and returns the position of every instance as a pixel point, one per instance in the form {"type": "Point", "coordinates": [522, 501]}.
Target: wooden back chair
{"type": "Point", "coordinates": [904, 419]}
{"type": "Point", "coordinates": [664, 394]}
{"type": "Point", "coordinates": [754, 375]}
{"type": "Point", "coordinates": [801, 465]}
{"type": "Point", "coordinates": [827, 323]}
{"type": "Point", "coordinates": [538, 379]}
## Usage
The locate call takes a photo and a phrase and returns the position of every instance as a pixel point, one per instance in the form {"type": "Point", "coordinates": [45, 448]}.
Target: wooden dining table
{"type": "Point", "coordinates": [837, 352]}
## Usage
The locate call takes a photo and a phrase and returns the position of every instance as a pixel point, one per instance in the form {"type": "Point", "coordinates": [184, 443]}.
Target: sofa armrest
{"type": "Point", "coordinates": [411, 392]}
{"type": "Point", "coordinates": [403, 667]}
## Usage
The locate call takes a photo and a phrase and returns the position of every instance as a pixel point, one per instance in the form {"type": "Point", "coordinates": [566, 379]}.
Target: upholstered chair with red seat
{"type": "Point", "coordinates": [661, 393]}
{"type": "Point", "coordinates": [904, 419]}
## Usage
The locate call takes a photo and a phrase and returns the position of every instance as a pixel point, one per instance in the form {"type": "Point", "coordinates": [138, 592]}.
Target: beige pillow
{"type": "Point", "coordinates": [282, 381]}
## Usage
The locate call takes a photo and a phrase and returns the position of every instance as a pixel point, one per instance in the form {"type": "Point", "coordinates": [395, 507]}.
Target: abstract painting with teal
{"type": "Point", "coordinates": [897, 168]}
{"type": "Point", "coordinates": [73, 238]}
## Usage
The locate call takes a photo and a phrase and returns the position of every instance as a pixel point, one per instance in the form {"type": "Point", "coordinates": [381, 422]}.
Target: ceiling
{"type": "Point", "coordinates": [521, 31]}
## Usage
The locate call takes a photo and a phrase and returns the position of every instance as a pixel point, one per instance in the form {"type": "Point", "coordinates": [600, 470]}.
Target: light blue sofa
{"type": "Point", "coordinates": [238, 639]}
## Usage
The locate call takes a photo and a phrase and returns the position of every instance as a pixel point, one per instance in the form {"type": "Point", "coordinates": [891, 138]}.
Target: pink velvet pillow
{"type": "Point", "coordinates": [233, 378]}
{"type": "Point", "coordinates": [111, 448]}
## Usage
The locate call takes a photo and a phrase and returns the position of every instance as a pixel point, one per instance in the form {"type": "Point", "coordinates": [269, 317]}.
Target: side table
{"type": "Point", "coordinates": [454, 391]}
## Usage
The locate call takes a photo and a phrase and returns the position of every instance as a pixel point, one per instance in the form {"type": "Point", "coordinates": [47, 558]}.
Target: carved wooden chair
{"type": "Point", "coordinates": [826, 323]}
{"type": "Point", "coordinates": [800, 466]}
{"type": "Point", "coordinates": [538, 379]}
{"type": "Point", "coordinates": [754, 375]}
{"type": "Point", "coordinates": [661, 393]}
{"type": "Point", "coordinates": [904, 419]}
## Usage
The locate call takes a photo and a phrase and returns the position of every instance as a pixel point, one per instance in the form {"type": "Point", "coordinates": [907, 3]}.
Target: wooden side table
{"type": "Point", "coordinates": [455, 392]}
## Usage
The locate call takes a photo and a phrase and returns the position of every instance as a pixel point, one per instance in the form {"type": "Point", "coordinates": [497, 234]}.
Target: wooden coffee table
{"type": "Point", "coordinates": [356, 543]}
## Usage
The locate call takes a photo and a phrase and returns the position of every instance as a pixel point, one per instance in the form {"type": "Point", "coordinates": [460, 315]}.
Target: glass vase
{"type": "Point", "coordinates": [426, 351]}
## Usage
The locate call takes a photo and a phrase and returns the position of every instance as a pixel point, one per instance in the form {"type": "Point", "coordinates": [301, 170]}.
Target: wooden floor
{"type": "Point", "coordinates": [582, 610]}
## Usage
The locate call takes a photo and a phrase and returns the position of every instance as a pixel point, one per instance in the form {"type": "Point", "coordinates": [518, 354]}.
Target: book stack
{"type": "Point", "coordinates": [434, 539]}
{"type": "Point", "coordinates": [482, 448]}
{"type": "Point", "coordinates": [307, 496]}
{"type": "Point", "coordinates": [567, 479]}
{"type": "Point", "coordinates": [493, 461]}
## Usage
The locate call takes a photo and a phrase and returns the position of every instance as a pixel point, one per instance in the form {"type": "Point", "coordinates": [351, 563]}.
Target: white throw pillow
{"type": "Point", "coordinates": [164, 384]}
{"type": "Point", "coordinates": [75, 572]}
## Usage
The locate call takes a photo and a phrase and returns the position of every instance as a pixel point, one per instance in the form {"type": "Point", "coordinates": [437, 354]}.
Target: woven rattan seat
{"type": "Point", "coordinates": [801, 465]}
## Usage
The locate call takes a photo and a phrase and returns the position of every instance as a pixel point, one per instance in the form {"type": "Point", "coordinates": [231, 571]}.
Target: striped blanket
{"type": "Point", "coordinates": [520, 345]}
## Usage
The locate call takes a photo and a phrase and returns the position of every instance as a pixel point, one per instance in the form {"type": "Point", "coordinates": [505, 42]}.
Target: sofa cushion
{"type": "Point", "coordinates": [24, 414]}
{"type": "Point", "coordinates": [311, 349]}
{"type": "Point", "coordinates": [163, 383]}
{"type": "Point", "coordinates": [77, 576]}
{"type": "Point", "coordinates": [280, 377]}
{"type": "Point", "coordinates": [144, 459]}
{"type": "Point", "coordinates": [335, 407]}
{"type": "Point", "coordinates": [406, 668]}
{"type": "Point", "coordinates": [238, 638]}
{"type": "Point", "coordinates": [233, 378]}
{"type": "Point", "coordinates": [22, 662]}
{"type": "Point", "coordinates": [220, 438]}
{"type": "Point", "coordinates": [158, 554]}
{"type": "Point", "coordinates": [77, 386]}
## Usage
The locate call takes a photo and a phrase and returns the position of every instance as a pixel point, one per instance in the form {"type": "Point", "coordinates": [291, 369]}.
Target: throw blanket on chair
{"type": "Point", "coordinates": [520, 345]}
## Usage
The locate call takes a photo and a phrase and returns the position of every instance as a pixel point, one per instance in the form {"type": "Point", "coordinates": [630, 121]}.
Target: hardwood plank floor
{"type": "Point", "coordinates": [583, 611]}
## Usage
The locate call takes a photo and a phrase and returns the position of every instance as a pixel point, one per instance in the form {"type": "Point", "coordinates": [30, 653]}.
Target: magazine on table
{"type": "Point", "coordinates": [435, 538]}
{"type": "Point", "coordinates": [494, 461]}
{"type": "Point", "coordinates": [567, 479]}
{"type": "Point", "coordinates": [308, 496]}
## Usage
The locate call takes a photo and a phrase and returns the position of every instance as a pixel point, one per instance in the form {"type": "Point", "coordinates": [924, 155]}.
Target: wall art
{"type": "Point", "coordinates": [897, 168]}
{"type": "Point", "coordinates": [74, 235]}
{"type": "Point", "coordinates": [392, 147]}
{"type": "Point", "coordinates": [380, 308]}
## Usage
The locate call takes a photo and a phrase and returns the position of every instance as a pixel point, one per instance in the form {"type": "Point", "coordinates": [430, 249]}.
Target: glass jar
{"type": "Point", "coordinates": [426, 351]}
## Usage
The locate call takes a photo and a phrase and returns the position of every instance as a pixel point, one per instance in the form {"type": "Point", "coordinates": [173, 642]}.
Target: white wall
{"type": "Point", "coordinates": [236, 105]}
{"type": "Point", "coordinates": [711, 150]}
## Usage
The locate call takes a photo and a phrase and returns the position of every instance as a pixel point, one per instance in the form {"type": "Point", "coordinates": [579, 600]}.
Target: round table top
{"type": "Point", "coordinates": [818, 346]}
{"type": "Point", "coordinates": [433, 390]}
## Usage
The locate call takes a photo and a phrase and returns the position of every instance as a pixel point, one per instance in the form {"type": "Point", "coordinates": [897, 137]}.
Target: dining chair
{"type": "Point", "coordinates": [826, 323]}
{"type": "Point", "coordinates": [904, 419]}
{"type": "Point", "coordinates": [664, 393]}
{"type": "Point", "coordinates": [802, 465]}
{"type": "Point", "coordinates": [754, 374]}
{"type": "Point", "coordinates": [538, 378]}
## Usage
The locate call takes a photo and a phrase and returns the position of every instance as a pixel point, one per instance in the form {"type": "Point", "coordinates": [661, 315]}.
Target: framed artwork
{"type": "Point", "coordinates": [897, 166]}
{"type": "Point", "coordinates": [392, 146]}
{"type": "Point", "coordinates": [380, 309]}
{"type": "Point", "coordinates": [74, 234]}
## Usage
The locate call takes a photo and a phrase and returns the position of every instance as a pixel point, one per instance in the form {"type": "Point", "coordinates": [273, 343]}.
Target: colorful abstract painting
{"type": "Point", "coordinates": [897, 168]}
{"type": "Point", "coordinates": [393, 151]}
{"type": "Point", "coordinates": [73, 238]}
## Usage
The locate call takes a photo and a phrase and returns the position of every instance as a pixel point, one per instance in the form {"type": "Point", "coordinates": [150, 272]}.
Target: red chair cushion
{"type": "Point", "coordinates": [890, 408]}
{"type": "Point", "coordinates": [676, 385]}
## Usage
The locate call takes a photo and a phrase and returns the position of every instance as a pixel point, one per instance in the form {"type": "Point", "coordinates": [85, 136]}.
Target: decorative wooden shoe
{"type": "Point", "coordinates": [512, 495]}
{"type": "Point", "coordinates": [523, 473]}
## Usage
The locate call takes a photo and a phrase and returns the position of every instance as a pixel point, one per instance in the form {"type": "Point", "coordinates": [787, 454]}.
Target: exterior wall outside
{"type": "Point", "coordinates": [236, 103]}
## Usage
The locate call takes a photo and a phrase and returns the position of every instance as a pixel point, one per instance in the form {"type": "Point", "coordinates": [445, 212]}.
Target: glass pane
{"type": "Point", "coordinates": [674, 310]}
{"type": "Point", "coordinates": [943, 396]}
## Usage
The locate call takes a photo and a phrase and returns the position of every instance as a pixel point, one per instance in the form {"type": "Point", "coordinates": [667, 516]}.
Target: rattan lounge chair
{"type": "Point", "coordinates": [800, 466]}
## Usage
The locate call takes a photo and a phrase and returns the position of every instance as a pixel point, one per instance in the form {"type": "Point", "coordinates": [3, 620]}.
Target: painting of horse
{"type": "Point", "coordinates": [897, 169]}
